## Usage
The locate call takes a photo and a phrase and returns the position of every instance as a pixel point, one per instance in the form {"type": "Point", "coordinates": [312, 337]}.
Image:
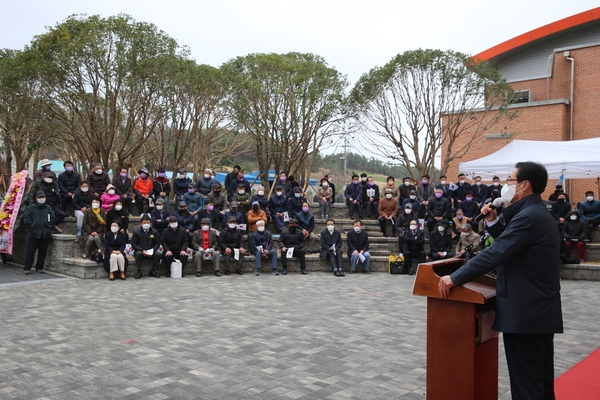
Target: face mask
{"type": "Point", "coordinates": [261, 192]}
{"type": "Point", "coordinates": [496, 183]}
{"type": "Point", "coordinates": [255, 208]}
{"type": "Point", "coordinates": [424, 181]}
{"type": "Point", "coordinates": [443, 182]}
{"type": "Point", "coordinates": [371, 183]}
{"type": "Point", "coordinates": [69, 169]}
{"type": "Point", "coordinates": [330, 228]}
{"type": "Point", "coordinates": [355, 182]}
{"type": "Point", "coordinates": [464, 234]}
{"type": "Point", "coordinates": [508, 192]}
{"type": "Point", "coordinates": [293, 228]}
{"type": "Point", "coordinates": [441, 229]}
{"type": "Point", "coordinates": [146, 226]}
{"type": "Point", "coordinates": [206, 176]}
{"type": "Point", "coordinates": [329, 179]}
{"type": "Point", "coordinates": [407, 183]}
{"type": "Point", "coordinates": [241, 179]}
{"type": "Point", "coordinates": [210, 208]}
{"type": "Point", "coordinates": [478, 183]}
{"type": "Point", "coordinates": [561, 200]}
{"type": "Point", "coordinates": [413, 197]}
{"type": "Point", "coordinates": [573, 217]}
{"type": "Point", "coordinates": [231, 226]}
{"type": "Point", "coordinates": [241, 191]}
{"type": "Point", "coordinates": [305, 209]}
{"type": "Point", "coordinates": [390, 183]}
{"type": "Point", "coordinates": [143, 176]}
{"type": "Point", "coordinates": [408, 210]}
{"type": "Point", "coordinates": [388, 196]}
{"type": "Point", "coordinates": [182, 210]}
{"type": "Point", "coordinates": [282, 179]}
{"type": "Point", "coordinates": [123, 175]}
{"type": "Point", "coordinates": [261, 228]}
{"type": "Point", "coordinates": [357, 229]}
{"type": "Point", "coordinates": [161, 174]}
{"type": "Point", "coordinates": [438, 195]}
{"type": "Point", "coordinates": [363, 179]}
{"type": "Point", "coordinates": [217, 191]}
{"type": "Point", "coordinates": [99, 171]}
{"type": "Point", "coordinates": [174, 224]}
{"type": "Point", "coordinates": [114, 229]}
{"type": "Point", "coordinates": [325, 184]}
{"type": "Point", "coordinates": [205, 227]}
{"type": "Point", "coordinates": [84, 190]}
{"type": "Point", "coordinates": [95, 205]}
{"type": "Point", "coordinates": [413, 227]}
{"type": "Point", "coordinates": [212, 177]}
{"type": "Point", "coordinates": [278, 193]}
{"type": "Point", "coordinates": [590, 198]}
{"type": "Point", "coordinates": [182, 176]}
{"type": "Point", "coordinates": [462, 181]}
{"type": "Point", "coordinates": [48, 180]}
{"type": "Point", "coordinates": [459, 216]}
{"type": "Point", "coordinates": [297, 195]}
{"type": "Point", "coordinates": [233, 210]}
{"type": "Point", "coordinates": [111, 192]}
{"type": "Point", "coordinates": [120, 207]}
{"type": "Point", "coordinates": [157, 207]}
{"type": "Point", "coordinates": [47, 167]}
{"type": "Point", "coordinates": [191, 190]}
{"type": "Point", "coordinates": [469, 199]}
{"type": "Point", "coordinates": [41, 200]}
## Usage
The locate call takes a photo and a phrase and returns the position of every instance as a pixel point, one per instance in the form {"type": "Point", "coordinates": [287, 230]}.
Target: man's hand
{"type": "Point", "coordinates": [168, 253]}
{"type": "Point", "coordinates": [445, 285]}
{"type": "Point", "coordinates": [355, 252]}
{"type": "Point", "coordinates": [266, 253]}
{"type": "Point", "coordinates": [490, 213]}
{"type": "Point", "coordinates": [182, 253]}
{"type": "Point", "coordinates": [228, 251]}
{"type": "Point", "coordinates": [305, 232]}
{"type": "Point", "coordinates": [242, 250]}
{"type": "Point", "coordinates": [284, 249]}
{"type": "Point", "coordinates": [561, 220]}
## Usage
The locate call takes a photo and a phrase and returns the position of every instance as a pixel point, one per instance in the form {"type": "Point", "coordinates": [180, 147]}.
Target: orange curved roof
{"type": "Point", "coordinates": [540, 33]}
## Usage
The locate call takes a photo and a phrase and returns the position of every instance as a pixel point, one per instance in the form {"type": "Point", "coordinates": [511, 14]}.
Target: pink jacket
{"type": "Point", "coordinates": [108, 200]}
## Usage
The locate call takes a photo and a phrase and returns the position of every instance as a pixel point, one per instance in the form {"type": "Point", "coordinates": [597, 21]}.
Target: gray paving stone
{"type": "Point", "coordinates": [297, 337]}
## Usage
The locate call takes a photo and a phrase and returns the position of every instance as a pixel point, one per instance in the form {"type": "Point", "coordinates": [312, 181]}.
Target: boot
{"type": "Point", "coordinates": [303, 271]}
{"type": "Point", "coordinates": [138, 274]}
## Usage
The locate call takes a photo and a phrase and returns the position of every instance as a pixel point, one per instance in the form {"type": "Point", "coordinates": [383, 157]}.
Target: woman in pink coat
{"type": "Point", "coordinates": [109, 198]}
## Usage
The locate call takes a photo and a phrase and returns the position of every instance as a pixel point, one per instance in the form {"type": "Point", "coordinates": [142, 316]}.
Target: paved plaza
{"type": "Point", "coordinates": [235, 337]}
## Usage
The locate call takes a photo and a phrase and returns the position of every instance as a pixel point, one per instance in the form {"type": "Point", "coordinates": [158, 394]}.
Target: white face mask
{"type": "Point", "coordinates": [205, 227]}
{"type": "Point", "coordinates": [363, 179]}
{"type": "Point", "coordinates": [357, 229]}
{"type": "Point", "coordinates": [241, 191]}
{"type": "Point", "coordinates": [478, 183]}
{"type": "Point", "coordinates": [118, 207]}
{"type": "Point", "coordinates": [407, 183]}
{"type": "Point", "coordinates": [182, 176]}
{"type": "Point", "coordinates": [496, 183]}
{"type": "Point", "coordinates": [441, 229]}
{"type": "Point", "coordinates": [84, 190]}
{"type": "Point", "coordinates": [95, 205]}
{"type": "Point", "coordinates": [261, 192]}
{"type": "Point", "coordinates": [590, 198]}
{"type": "Point", "coordinates": [206, 176]}
{"type": "Point", "coordinates": [325, 184]}
{"type": "Point", "coordinates": [330, 228]}
{"type": "Point", "coordinates": [462, 181]}
{"type": "Point", "coordinates": [99, 171]}
{"type": "Point", "coordinates": [413, 227]}
{"type": "Point", "coordinates": [159, 208]}
{"type": "Point", "coordinates": [114, 229]}
{"type": "Point", "coordinates": [41, 200]}
{"type": "Point", "coordinates": [443, 182]}
{"type": "Point", "coordinates": [278, 193]}
{"type": "Point", "coordinates": [412, 197]}
{"type": "Point", "coordinates": [408, 210]}
{"type": "Point", "coordinates": [48, 180]}
{"type": "Point", "coordinates": [388, 196]}
{"type": "Point", "coordinates": [111, 192]}
{"type": "Point", "coordinates": [146, 226]}
{"type": "Point", "coordinates": [174, 224]}
{"type": "Point", "coordinates": [508, 192]}
{"type": "Point", "coordinates": [261, 228]}
{"type": "Point", "coordinates": [231, 226]}
{"type": "Point", "coordinates": [573, 217]}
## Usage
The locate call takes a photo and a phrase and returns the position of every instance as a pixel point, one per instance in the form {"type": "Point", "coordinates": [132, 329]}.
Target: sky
{"type": "Point", "coordinates": [352, 36]}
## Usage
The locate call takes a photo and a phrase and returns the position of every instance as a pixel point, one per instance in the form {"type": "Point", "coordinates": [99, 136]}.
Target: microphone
{"type": "Point", "coordinates": [497, 203]}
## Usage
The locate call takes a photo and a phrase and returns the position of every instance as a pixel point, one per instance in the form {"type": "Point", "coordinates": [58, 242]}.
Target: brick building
{"type": "Point", "coordinates": [555, 72]}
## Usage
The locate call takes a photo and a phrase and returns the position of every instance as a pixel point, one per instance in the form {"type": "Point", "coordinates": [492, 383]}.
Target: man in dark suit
{"type": "Point", "coordinates": [145, 242]}
{"type": "Point", "coordinates": [525, 253]}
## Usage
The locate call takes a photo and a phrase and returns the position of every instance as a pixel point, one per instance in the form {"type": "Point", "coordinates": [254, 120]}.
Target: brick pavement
{"type": "Point", "coordinates": [236, 337]}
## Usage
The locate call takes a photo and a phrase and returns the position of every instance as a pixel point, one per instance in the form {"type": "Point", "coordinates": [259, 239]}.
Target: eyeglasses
{"type": "Point", "coordinates": [509, 180]}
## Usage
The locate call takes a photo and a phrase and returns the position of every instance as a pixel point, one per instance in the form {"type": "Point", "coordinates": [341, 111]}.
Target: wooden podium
{"type": "Point", "coordinates": [458, 367]}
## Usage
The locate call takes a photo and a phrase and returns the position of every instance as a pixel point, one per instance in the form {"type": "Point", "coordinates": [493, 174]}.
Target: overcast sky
{"type": "Point", "coordinates": [353, 36]}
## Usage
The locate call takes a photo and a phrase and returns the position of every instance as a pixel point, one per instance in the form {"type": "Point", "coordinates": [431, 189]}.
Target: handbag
{"type": "Point", "coordinates": [176, 268]}
{"type": "Point", "coordinates": [396, 265]}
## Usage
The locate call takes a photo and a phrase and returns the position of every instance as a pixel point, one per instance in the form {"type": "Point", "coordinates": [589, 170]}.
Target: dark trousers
{"type": "Point", "coordinates": [59, 215]}
{"type": "Point", "coordinates": [435, 256]}
{"type": "Point", "coordinates": [65, 200]}
{"type": "Point", "coordinates": [356, 206]}
{"type": "Point", "coordinates": [142, 204]}
{"type": "Point", "coordinates": [335, 260]}
{"type": "Point", "coordinates": [409, 255]}
{"type": "Point", "coordinates": [139, 256]}
{"type": "Point", "coordinates": [297, 253]}
{"type": "Point", "coordinates": [167, 260]}
{"type": "Point", "coordinates": [530, 359]}
{"type": "Point", "coordinates": [33, 245]}
{"type": "Point", "coordinates": [240, 263]}
{"type": "Point", "coordinates": [383, 225]}
{"type": "Point", "coordinates": [372, 209]}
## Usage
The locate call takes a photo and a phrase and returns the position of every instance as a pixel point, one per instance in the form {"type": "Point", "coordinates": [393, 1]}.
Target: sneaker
{"type": "Point", "coordinates": [198, 274]}
{"type": "Point", "coordinates": [284, 272]}
{"type": "Point", "coordinates": [256, 273]}
{"type": "Point", "coordinates": [400, 255]}
{"type": "Point", "coordinates": [27, 272]}
{"type": "Point", "coordinates": [275, 272]}
{"type": "Point", "coordinates": [217, 273]}
{"type": "Point", "coordinates": [303, 271]}
{"type": "Point", "coordinates": [351, 271]}
{"type": "Point", "coordinates": [39, 271]}
{"type": "Point", "coordinates": [84, 256]}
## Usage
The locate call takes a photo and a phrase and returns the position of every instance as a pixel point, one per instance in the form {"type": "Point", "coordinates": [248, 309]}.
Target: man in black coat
{"type": "Point", "coordinates": [145, 243]}
{"type": "Point", "coordinates": [174, 241]}
{"type": "Point", "coordinates": [230, 240]}
{"type": "Point", "coordinates": [292, 237]}
{"type": "Point", "coordinates": [525, 253]}
{"type": "Point", "coordinates": [440, 242]}
{"type": "Point", "coordinates": [331, 247]}
{"type": "Point", "coordinates": [560, 208]}
{"type": "Point", "coordinates": [68, 183]}
{"type": "Point", "coordinates": [438, 208]}
{"type": "Point", "coordinates": [414, 239]}
{"type": "Point", "coordinates": [358, 243]}
{"type": "Point", "coordinates": [39, 219]}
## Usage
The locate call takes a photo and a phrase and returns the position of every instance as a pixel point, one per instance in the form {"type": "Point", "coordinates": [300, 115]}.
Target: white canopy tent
{"type": "Point", "coordinates": [573, 159]}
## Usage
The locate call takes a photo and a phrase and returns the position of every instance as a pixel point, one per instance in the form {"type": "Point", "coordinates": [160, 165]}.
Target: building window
{"type": "Point", "coordinates": [520, 96]}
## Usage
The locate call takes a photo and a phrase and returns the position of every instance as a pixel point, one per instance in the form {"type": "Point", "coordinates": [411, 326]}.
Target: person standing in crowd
{"type": "Point", "coordinates": [324, 198]}
{"type": "Point", "coordinates": [292, 238]}
{"type": "Point", "coordinates": [358, 247]}
{"type": "Point", "coordinates": [388, 210]}
{"type": "Point", "coordinates": [331, 247]}
{"type": "Point", "coordinates": [557, 192]}
{"type": "Point", "coordinates": [161, 187]}
{"type": "Point", "coordinates": [574, 232]}
{"type": "Point", "coordinates": [142, 188]}
{"type": "Point", "coordinates": [526, 255]}
{"type": "Point", "coordinates": [231, 177]}
{"type": "Point", "coordinates": [590, 210]}
{"type": "Point", "coordinates": [181, 184]}
{"type": "Point", "coordinates": [495, 185]}
{"type": "Point", "coordinates": [94, 227]}
{"type": "Point", "coordinates": [68, 183]}
{"type": "Point", "coordinates": [440, 242]}
{"type": "Point", "coordinates": [174, 241]}
{"type": "Point", "coordinates": [39, 220]}
{"type": "Point", "coordinates": [123, 187]}
{"type": "Point", "coordinates": [49, 186]}
{"type": "Point", "coordinates": [234, 185]}
{"type": "Point", "coordinates": [231, 242]}
{"type": "Point", "coordinates": [261, 244]}
{"type": "Point", "coordinates": [353, 194]}
{"type": "Point", "coordinates": [114, 250]}
{"type": "Point", "coordinates": [445, 186]}
{"type": "Point", "coordinates": [145, 243]}
{"type": "Point", "coordinates": [205, 242]}
{"type": "Point", "coordinates": [414, 239]}
{"type": "Point", "coordinates": [97, 180]}
{"type": "Point", "coordinates": [332, 186]}
{"type": "Point", "coordinates": [371, 198]}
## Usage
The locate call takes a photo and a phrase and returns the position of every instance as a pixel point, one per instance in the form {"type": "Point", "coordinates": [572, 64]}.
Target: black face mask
{"type": "Point", "coordinates": [293, 228]}
{"type": "Point", "coordinates": [561, 200]}
{"type": "Point", "coordinates": [182, 210]}
{"type": "Point", "coordinates": [255, 208]}
{"type": "Point", "coordinates": [217, 191]}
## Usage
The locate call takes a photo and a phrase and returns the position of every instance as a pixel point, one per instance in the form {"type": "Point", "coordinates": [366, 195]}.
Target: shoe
{"type": "Point", "coordinates": [111, 276]}
{"type": "Point", "coordinates": [336, 273]}
{"type": "Point", "coordinates": [226, 272]}
{"type": "Point", "coordinates": [303, 271]}
{"type": "Point", "coordinates": [217, 273]}
{"type": "Point", "coordinates": [182, 274]}
{"type": "Point", "coordinates": [239, 272]}
{"type": "Point", "coordinates": [56, 229]}
{"type": "Point", "coordinates": [154, 274]}
{"type": "Point", "coordinates": [322, 217]}
{"type": "Point", "coordinates": [123, 275]}
{"type": "Point", "coordinates": [256, 273]}
{"type": "Point", "coordinates": [138, 274]}
{"type": "Point", "coordinates": [199, 274]}
{"type": "Point", "coordinates": [366, 272]}
{"type": "Point", "coordinates": [79, 232]}
{"type": "Point", "coordinates": [275, 272]}
{"type": "Point", "coordinates": [351, 272]}
{"type": "Point", "coordinates": [168, 274]}
{"type": "Point", "coordinates": [27, 272]}
{"type": "Point", "coordinates": [39, 271]}
{"type": "Point", "coordinates": [582, 261]}
{"type": "Point", "coordinates": [342, 272]}
{"type": "Point", "coordinates": [284, 272]}
{"type": "Point", "coordinates": [84, 256]}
